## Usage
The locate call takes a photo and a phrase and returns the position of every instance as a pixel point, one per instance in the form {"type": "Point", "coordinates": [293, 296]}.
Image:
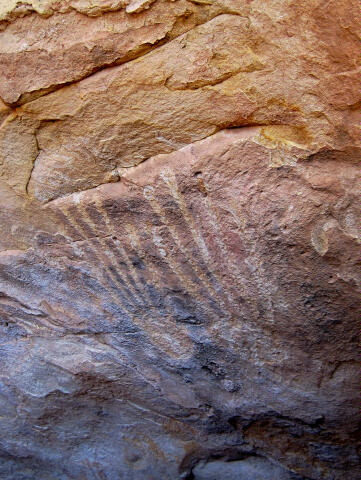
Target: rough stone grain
{"type": "Point", "coordinates": [179, 191]}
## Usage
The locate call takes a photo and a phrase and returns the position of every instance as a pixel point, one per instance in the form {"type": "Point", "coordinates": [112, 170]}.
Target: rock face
{"type": "Point", "coordinates": [180, 233]}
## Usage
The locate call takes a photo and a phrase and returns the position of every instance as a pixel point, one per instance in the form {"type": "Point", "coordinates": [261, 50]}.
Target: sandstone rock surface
{"type": "Point", "coordinates": [179, 191]}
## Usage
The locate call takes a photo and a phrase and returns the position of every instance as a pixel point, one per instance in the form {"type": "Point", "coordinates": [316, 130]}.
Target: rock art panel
{"type": "Point", "coordinates": [179, 190]}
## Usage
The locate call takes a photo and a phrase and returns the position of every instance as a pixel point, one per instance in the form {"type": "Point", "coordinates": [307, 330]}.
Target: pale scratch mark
{"type": "Point", "coordinates": [158, 337]}
{"type": "Point", "coordinates": [231, 335]}
{"type": "Point", "coordinates": [108, 254]}
{"type": "Point", "coordinates": [229, 261]}
{"type": "Point", "coordinates": [123, 254]}
{"type": "Point", "coordinates": [152, 412]}
{"type": "Point", "coordinates": [199, 273]}
{"type": "Point", "coordinates": [169, 178]}
{"type": "Point", "coordinates": [92, 258]}
{"type": "Point", "coordinates": [135, 242]}
{"type": "Point", "coordinates": [179, 342]}
{"type": "Point", "coordinates": [79, 249]}
{"type": "Point", "coordinates": [189, 285]}
{"type": "Point", "coordinates": [112, 283]}
{"type": "Point", "coordinates": [256, 268]}
{"type": "Point", "coordinates": [227, 255]}
{"type": "Point", "coordinates": [172, 342]}
{"type": "Point", "coordinates": [72, 313]}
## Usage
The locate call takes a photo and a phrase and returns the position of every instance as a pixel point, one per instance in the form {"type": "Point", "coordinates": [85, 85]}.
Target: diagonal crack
{"type": "Point", "coordinates": [248, 125]}
{"type": "Point", "coordinates": [138, 52]}
{"type": "Point", "coordinates": [33, 165]}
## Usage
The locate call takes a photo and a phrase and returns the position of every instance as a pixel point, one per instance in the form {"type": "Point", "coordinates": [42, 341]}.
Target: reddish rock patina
{"type": "Point", "coordinates": [178, 260]}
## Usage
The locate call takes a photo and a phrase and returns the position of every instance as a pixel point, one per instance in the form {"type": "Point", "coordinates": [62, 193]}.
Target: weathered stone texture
{"type": "Point", "coordinates": [179, 201]}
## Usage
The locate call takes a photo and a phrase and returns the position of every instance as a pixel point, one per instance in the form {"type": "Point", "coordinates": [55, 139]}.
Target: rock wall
{"type": "Point", "coordinates": [179, 187]}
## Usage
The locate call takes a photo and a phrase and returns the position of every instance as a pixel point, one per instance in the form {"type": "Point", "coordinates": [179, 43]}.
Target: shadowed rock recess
{"type": "Point", "coordinates": [180, 232]}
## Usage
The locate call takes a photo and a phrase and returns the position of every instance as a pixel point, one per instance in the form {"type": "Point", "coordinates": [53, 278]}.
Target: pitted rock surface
{"type": "Point", "coordinates": [180, 236]}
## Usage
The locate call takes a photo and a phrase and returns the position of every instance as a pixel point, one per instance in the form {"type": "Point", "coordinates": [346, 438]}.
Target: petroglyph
{"type": "Point", "coordinates": [179, 191]}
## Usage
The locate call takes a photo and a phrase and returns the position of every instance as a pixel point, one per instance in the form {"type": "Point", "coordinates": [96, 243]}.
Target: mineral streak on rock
{"type": "Point", "coordinates": [179, 190]}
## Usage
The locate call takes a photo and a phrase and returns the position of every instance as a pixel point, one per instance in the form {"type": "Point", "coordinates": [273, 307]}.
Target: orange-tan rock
{"type": "Point", "coordinates": [179, 185]}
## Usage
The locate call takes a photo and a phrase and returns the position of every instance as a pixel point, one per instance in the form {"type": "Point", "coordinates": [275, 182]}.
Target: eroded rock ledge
{"type": "Point", "coordinates": [178, 284]}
